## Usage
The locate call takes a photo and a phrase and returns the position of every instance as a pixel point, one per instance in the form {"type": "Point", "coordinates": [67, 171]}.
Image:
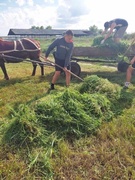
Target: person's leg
{"type": "Point", "coordinates": [55, 76]}
{"type": "Point", "coordinates": [119, 34]}
{"type": "Point", "coordinates": [68, 77]}
{"type": "Point", "coordinates": [58, 71]}
{"type": "Point", "coordinates": [54, 79]}
{"type": "Point", "coordinates": [128, 75]}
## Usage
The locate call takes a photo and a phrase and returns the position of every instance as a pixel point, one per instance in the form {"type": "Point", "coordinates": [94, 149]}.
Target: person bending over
{"type": "Point", "coordinates": [119, 25]}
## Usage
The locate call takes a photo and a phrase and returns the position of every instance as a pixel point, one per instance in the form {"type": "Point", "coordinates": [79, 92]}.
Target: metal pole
{"type": "Point", "coordinates": [28, 60]}
{"type": "Point", "coordinates": [63, 69]}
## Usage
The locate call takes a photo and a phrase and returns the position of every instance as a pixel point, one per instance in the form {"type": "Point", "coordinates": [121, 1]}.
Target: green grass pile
{"type": "Point", "coordinates": [69, 114]}
{"type": "Point", "coordinates": [119, 48]}
{"type": "Point", "coordinates": [95, 84]}
{"type": "Point", "coordinates": [24, 129]}
{"type": "Point", "coordinates": [37, 128]}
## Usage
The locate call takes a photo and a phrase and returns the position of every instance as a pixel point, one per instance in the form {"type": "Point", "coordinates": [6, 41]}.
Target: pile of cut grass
{"type": "Point", "coordinates": [119, 48]}
{"type": "Point", "coordinates": [68, 115]}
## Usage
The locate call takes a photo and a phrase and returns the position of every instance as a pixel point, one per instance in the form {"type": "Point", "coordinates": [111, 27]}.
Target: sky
{"type": "Point", "coordinates": [63, 14]}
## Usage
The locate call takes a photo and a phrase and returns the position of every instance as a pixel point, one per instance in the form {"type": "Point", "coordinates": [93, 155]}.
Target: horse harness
{"type": "Point", "coordinates": [22, 46]}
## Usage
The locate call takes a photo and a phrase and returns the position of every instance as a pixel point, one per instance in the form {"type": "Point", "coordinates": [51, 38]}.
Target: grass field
{"type": "Point", "coordinates": [63, 145]}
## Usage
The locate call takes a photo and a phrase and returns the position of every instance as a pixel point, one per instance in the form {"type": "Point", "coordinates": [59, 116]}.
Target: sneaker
{"type": "Point", "coordinates": [52, 87]}
{"type": "Point", "coordinates": [126, 85]}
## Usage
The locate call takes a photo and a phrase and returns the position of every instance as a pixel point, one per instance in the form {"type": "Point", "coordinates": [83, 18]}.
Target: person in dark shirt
{"type": "Point", "coordinates": [119, 25]}
{"type": "Point", "coordinates": [64, 48]}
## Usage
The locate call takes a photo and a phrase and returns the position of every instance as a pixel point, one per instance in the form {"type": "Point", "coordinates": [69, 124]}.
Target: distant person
{"type": "Point", "coordinates": [119, 25]}
{"type": "Point", "coordinates": [64, 48]}
{"type": "Point", "coordinates": [129, 72]}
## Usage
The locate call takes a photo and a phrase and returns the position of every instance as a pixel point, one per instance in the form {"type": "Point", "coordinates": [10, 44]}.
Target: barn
{"type": "Point", "coordinates": [40, 33]}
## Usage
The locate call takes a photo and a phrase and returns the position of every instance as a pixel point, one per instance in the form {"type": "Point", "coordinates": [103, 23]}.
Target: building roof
{"type": "Point", "coordinates": [46, 32]}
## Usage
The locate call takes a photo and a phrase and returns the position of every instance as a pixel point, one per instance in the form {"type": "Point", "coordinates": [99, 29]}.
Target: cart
{"type": "Point", "coordinates": [98, 54]}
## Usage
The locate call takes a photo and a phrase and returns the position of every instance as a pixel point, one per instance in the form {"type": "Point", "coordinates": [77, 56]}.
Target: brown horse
{"type": "Point", "coordinates": [20, 50]}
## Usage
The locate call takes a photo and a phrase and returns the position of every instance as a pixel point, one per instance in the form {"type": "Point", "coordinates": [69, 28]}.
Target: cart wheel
{"type": "Point", "coordinates": [122, 66]}
{"type": "Point", "coordinates": [75, 68]}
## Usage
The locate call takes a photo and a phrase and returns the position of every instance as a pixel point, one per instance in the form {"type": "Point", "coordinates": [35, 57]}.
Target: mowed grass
{"type": "Point", "coordinates": [107, 154]}
{"type": "Point", "coordinates": [22, 87]}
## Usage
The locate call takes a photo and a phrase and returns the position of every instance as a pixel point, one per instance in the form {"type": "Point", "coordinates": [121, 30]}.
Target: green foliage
{"type": "Point", "coordinates": [94, 30]}
{"type": "Point", "coordinates": [119, 48]}
{"type": "Point", "coordinates": [24, 129]}
{"type": "Point", "coordinates": [94, 84]}
{"type": "Point", "coordinates": [121, 58]}
{"type": "Point", "coordinates": [48, 27]}
{"type": "Point", "coordinates": [66, 116]}
{"type": "Point", "coordinates": [97, 40]}
{"type": "Point", "coordinates": [37, 27]}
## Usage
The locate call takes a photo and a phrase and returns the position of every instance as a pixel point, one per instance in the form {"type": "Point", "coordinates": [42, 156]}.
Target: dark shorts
{"type": "Point", "coordinates": [120, 32]}
{"type": "Point", "coordinates": [60, 63]}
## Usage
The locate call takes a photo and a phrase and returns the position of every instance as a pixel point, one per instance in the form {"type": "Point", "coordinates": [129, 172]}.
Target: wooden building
{"type": "Point", "coordinates": [44, 32]}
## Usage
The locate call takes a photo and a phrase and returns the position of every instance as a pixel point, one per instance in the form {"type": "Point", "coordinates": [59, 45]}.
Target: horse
{"type": "Point", "coordinates": [16, 51]}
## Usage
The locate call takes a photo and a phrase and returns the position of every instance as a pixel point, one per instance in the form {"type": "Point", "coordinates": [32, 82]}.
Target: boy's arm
{"type": "Point", "coordinates": [68, 56]}
{"type": "Point", "coordinates": [50, 48]}
{"type": "Point", "coordinates": [113, 25]}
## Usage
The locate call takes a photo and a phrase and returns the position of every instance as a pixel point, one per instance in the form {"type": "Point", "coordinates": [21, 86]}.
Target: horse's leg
{"type": "Point", "coordinates": [42, 69]}
{"type": "Point", "coordinates": [4, 71]}
{"type": "Point", "coordinates": [34, 69]}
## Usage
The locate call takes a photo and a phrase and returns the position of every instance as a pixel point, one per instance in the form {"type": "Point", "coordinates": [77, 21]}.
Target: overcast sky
{"type": "Point", "coordinates": [60, 14]}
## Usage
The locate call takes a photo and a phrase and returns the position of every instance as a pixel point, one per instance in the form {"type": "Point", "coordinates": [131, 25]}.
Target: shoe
{"type": "Point", "coordinates": [127, 84]}
{"type": "Point", "coordinates": [52, 87]}
{"type": "Point", "coordinates": [125, 87]}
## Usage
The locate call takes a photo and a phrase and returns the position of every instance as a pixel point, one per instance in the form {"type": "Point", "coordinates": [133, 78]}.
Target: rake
{"type": "Point", "coordinates": [63, 68]}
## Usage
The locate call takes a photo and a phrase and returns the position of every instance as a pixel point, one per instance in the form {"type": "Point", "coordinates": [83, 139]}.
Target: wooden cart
{"type": "Point", "coordinates": [95, 54]}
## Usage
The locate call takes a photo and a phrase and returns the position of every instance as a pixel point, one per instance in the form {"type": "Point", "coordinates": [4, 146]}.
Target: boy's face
{"type": "Point", "coordinates": [68, 38]}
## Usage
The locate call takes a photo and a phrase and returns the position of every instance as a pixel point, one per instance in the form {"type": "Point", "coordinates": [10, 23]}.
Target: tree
{"type": "Point", "coordinates": [33, 27]}
{"type": "Point", "coordinates": [94, 30]}
{"type": "Point", "coordinates": [37, 27]}
{"type": "Point", "coordinates": [42, 27]}
{"type": "Point", "coordinates": [48, 27]}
